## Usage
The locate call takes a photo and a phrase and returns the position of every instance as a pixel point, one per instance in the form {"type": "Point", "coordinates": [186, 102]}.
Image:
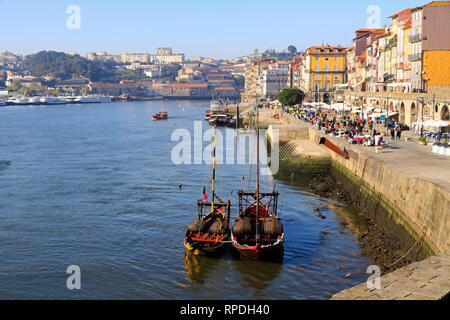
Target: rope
{"type": "Point", "coordinates": [424, 232]}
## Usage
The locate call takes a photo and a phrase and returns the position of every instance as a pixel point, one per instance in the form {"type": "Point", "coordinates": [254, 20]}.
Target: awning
{"type": "Point", "coordinates": [436, 124]}
{"type": "Point", "coordinates": [399, 84]}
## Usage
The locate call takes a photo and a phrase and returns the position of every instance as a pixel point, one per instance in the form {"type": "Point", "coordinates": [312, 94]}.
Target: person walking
{"type": "Point", "coordinates": [392, 134]}
{"type": "Point", "coordinates": [399, 133]}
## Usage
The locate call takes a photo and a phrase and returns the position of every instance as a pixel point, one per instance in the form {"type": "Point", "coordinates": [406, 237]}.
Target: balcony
{"type": "Point", "coordinates": [415, 57]}
{"type": "Point", "coordinates": [415, 38]}
{"type": "Point", "coordinates": [392, 42]}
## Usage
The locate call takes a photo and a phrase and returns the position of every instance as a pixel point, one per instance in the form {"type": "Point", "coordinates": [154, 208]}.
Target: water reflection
{"type": "Point", "coordinates": [257, 275]}
{"type": "Point", "coordinates": [199, 268]}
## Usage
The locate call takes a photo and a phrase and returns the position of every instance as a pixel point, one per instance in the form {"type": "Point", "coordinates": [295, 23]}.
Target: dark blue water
{"type": "Point", "coordinates": [94, 186]}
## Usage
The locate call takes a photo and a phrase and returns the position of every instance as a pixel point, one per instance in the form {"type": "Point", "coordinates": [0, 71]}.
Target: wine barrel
{"type": "Point", "coordinates": [218, 228]}
{"type": "Point", "coordinates": [242, 226]}
{"type": "Point", "coordinates": [273, 227]}
{"type": "Point", "coordinates": [197, 226]}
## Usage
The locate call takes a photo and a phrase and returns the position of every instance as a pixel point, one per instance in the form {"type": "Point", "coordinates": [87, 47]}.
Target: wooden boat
{"type": "Point", "coordinates": [258, 232]}
{"type": "Point", "coordinates": [211, 231]}
{"type": "Point", "coordinates": [162, 115]}
{"type": "Point", "coordinates": [218, 115]}
{"type": "Point", "coordinates": [219, 120]}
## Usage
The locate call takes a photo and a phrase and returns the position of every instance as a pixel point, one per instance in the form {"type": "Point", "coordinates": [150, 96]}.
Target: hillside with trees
{"type": "Point", "coordinates": [63, 66]}
{"type": "Point", "coordinates": [59, 65]}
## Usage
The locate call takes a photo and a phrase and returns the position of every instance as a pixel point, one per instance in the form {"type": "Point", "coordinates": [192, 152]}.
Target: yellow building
{"type": "Point", "coordinates": [325, 68]}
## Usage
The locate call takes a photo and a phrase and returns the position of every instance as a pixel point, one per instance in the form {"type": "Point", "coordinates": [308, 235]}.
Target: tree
{"type": "Point", "coordinates": [85, 90]}
{"type": "Point", "coordinates": [16, 85]}
{"type": "Point", "coordinates": [291, 96]}
{"type": "Point", "coordinates": [292, 49]}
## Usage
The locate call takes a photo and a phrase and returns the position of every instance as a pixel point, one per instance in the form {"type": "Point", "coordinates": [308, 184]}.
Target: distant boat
{"type": "Point", "coordinates": [2, 103]}
{"type": "Point", "coordinates": [21, 101]}
{"type": "Point", "coordinates": [92, 99]}
{"type": "Point", "coordinates": [67, 99]}
{"type": "Point", "coordinates": [51, 100]}
{"type": "Point", "coordinates": [217, 108]}
{"type": "Point", "coordinates": [219, 120]}
{"type": "Point", "coordinates": [34, 100]}
{"type": "Point", "coordinates": [161, 115]}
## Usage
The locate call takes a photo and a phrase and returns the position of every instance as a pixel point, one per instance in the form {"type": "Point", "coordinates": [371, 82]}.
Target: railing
{"type": "Point", "coordinates": [415, 38]}
{"type": "Point", "coordinates": [415, 57]}
{"type": "Point", "coordinates": [391, 43]}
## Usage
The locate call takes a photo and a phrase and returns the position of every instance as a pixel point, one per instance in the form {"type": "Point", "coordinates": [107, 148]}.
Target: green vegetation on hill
{"type": "Point", "coordinates": [59, 65]}
{"type": "Point", "coordinates": [64, 66]}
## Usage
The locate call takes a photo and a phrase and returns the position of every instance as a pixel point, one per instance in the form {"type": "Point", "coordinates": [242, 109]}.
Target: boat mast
{"type": "Point", "coordinates": [257, 174]}
{"type": "Point", "coordinates": [214, 170]}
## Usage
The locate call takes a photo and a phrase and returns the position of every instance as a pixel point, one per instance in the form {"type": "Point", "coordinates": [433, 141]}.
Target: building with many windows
{"type": "Point", "coordinates": [325, 69]}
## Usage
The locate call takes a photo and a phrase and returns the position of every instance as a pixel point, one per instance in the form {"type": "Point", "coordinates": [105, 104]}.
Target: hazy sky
{"type": "Point", "coordinates": [211, 28]}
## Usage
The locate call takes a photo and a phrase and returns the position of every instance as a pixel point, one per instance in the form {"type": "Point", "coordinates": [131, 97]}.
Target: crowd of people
{"type": "Point", "coordinates": [347, 126]}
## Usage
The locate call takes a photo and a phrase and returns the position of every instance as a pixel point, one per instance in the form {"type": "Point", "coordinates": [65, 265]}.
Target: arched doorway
{"type": "Point", "coordinates": [391, 107]}
{"type": "Point", "coordinates": [402, 113]}
{"type": "Point", "coordinates": [413, 112]}
{"type": "Point", "coordinates": [326, 98]}
{"type": "Point", "coordinates": [445, 116]}
{"type": "Point", "coordinates": [317, 97]}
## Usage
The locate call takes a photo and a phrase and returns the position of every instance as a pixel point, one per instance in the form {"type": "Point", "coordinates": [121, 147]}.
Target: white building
{"type": "Point", "coordinates": [154, 72]}
{"type": "Point", "coordinates": [274, 79]}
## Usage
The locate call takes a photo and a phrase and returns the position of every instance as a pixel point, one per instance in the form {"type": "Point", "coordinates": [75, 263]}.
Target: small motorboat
{"type": "Point", "coordinates": [162, 115]}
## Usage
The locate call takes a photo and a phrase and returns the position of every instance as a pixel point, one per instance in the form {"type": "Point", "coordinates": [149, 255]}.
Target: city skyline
{"type": "Point", "coordinates": [214, 30]}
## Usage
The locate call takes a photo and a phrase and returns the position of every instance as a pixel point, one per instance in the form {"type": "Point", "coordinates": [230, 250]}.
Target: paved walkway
{"type": "Point", "coordinates": [425, 280]}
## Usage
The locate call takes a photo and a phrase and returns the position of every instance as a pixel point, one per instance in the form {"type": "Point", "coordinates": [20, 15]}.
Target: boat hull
{"type": "Point", "coordinates": [205, 249]}
{"type": "Point", "coordinates": [272, 252]}
{"type": "Point", "coordinates": [156, 118]}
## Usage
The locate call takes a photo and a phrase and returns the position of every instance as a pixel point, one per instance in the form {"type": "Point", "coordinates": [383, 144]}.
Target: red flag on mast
{"type": "Point", "coordinates": [205, 196]}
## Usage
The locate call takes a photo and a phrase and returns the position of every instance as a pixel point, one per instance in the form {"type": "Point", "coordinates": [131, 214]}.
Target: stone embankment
{"type": "Point", "coordinates": [408, 181]}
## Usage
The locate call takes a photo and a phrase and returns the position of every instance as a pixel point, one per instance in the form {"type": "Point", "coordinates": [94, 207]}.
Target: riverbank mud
{"type": "Point", "coordinates": [387, 243]}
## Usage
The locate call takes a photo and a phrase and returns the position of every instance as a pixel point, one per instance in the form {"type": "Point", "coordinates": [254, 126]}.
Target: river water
{"type": "Point", "coordinates": [95, 186]}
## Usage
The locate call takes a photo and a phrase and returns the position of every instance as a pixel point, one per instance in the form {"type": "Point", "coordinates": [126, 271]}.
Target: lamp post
{"type": "Point", "coordinates": [387, 115]}
{"type": "Point", "coordinates": [422, 100]}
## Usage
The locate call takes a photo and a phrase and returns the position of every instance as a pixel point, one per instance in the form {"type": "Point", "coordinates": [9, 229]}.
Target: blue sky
{"type": "Point", "coordinates": [219, 29]}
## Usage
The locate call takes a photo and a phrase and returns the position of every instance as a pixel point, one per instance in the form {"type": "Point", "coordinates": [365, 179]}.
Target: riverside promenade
{"type": "Point", "coordinates": [406, 157]}
{"type": "Point", "coordinates": [410, 182]}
